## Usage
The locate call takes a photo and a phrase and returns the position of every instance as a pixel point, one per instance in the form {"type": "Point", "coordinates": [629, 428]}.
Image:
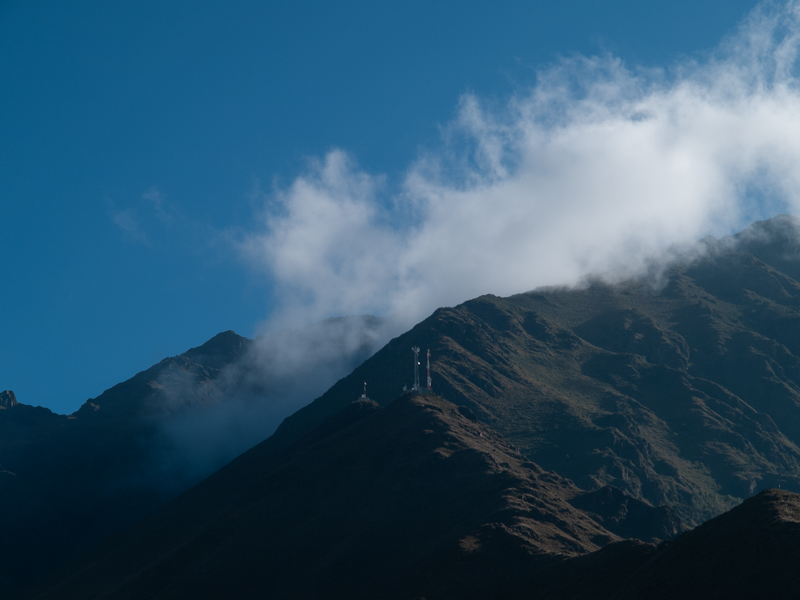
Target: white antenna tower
{"type": "Point", "coordinates": [429, 369]}
{"type": "Point", "coordinates": [364, 395]}
{"type": "Point", "coordinates": [415, 350]}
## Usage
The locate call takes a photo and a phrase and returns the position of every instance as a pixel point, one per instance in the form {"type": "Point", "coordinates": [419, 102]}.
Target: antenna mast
{"type": "Point", "coordinates": [415, 350]}
{"type": "Point", "coordinates": [429, 369]}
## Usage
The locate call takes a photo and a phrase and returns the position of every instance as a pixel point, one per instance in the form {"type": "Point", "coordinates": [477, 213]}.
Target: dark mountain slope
{"type": "Point", "coordinates": [685, 393]}
{"type": "Point", "coordinates": [626, 516]}
{"type": "Point", "coordinates": [417, 499]}
{"type": "Point", "coordinates": [750, 552]}
{"type": "Point", "coordinates": [774, 242]}
{"type": "Point", "coordinates": [67, 481]}
{"type": "Point", "coordinates": [192, 374]}
{"type": "Point", "coordinates": [420, 500]}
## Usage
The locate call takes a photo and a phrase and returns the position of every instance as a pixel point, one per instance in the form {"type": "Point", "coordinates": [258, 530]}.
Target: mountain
{"type": "Point", "coordinates": [419, 499]}
{"type": "Point", "coordinates": [749, 552]}
{"type": "Point", "coordinates": [7, 400]}
{"type": "Point", "coordinates": [415, 499]}
{"type": "Point", "coordinates": [68, 481]}
{"type": "Point", "coordinates": [682, 390]}
{"type": "Point", "coordinates": [604, 412]}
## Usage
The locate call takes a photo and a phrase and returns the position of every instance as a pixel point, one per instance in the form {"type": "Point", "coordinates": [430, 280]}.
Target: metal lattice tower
{"type": "Point", "coordinates": [429, 369]}
{"type": "Point", "coordinates": [415, 350]}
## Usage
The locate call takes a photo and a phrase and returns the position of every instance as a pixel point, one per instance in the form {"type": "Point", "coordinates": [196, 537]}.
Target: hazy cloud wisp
{"type": "Point", "coordinates": [211, 422]}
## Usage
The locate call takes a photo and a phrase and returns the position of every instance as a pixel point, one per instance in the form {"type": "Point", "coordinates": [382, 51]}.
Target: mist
{"type": "Point", "coordinates": [211, 421]}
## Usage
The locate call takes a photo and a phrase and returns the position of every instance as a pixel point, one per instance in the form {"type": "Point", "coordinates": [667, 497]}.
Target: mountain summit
{"type": "Point", "coordinates": [7, 399]}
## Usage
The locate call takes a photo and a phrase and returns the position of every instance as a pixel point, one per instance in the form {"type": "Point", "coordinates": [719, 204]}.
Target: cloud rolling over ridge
{"type": "Point", "coordinates": [208, 421]}
{"type": "Point", "coordinates": [599, 169]}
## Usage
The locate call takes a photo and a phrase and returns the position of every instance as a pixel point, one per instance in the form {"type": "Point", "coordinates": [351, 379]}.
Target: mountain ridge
{"type": "Point", "coordinates": [674, 401]}
{"type": "Point", "coordinates": [416, 499]}
{"type": "Point", "coordinates": [77, 478]}
{"type": "Point", "coordinates": [749, 552]}
{"type": "Point", "coordinates": [408, 489]}
{"type": "Point", "coordinates": [673, 393]}
{"type": "Point", "coordinates": [67, 481]}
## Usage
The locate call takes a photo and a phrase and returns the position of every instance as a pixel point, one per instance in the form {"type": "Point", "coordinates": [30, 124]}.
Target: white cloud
{"type": "Point", "coordinates": [599, 168]}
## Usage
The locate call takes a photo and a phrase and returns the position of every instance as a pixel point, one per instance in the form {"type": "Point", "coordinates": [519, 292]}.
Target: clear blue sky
{"type": "Point", "coordinates": [133, 133]}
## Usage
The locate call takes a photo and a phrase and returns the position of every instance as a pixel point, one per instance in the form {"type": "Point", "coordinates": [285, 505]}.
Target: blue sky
{"type": "Point", "coordinates": [143, 143]}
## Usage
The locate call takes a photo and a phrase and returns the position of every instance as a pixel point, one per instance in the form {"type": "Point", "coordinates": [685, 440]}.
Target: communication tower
{"type": "Point", "coordinates": [429, 370]}
{"type": "Point", "coordinates": [415, 350]}
{"type": "Point", "coordinates": [363, 397]}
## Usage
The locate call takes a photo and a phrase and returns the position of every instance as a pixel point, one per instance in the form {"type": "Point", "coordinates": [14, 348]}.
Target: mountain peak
{"type": "Point", "coordinates": [781, 221]}
{"type": "Point", "coordinates": [768, 508]}
{"type": "Point", "coordinates": [778, 230]}
{"type": "Point", "coordinates": [774, 241]}
{"type": "Point", "coordinates": [219, 350]}
{"type": "Point", "coordinates": [7, 399]}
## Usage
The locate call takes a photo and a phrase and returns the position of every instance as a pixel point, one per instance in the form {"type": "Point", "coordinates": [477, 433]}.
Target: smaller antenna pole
{"type": "Point", "coordinates": [365, 391]}
{"type": "Point", "coordinates": [429, 369]}
{"type": "Point", "coordinates": [415, 350]}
